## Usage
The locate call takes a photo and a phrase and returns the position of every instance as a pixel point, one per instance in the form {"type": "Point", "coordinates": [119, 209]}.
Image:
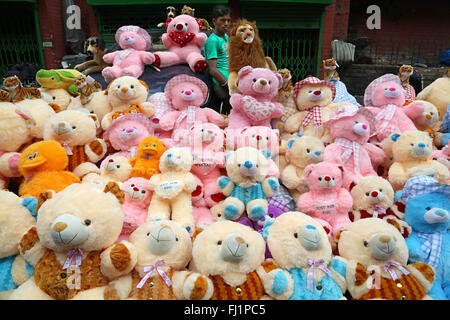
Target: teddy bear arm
{"type": "Point", "coordinates": [192, 286]}
{"type": "Point", "coordinates": [397, 174]}
{"type": "Point", "coordinates": [442, 174]}
{"type": "Point", "coordinates": [424, 273]}
{"type": "Point", "coordinates": [376, 154]}
{"type": "Point", "coordinates": [235, 101]}
{"type": "Point", "coordinates": [168, 121]}
{"type": "Point", "coordinates": [190, 184]}
{"type": "Point", "coordinates": [107, 120]}
{"type": "Point", "coordinates": [277, 282]}
{"type": "Point", "coordinates": [306, 202]}
{"type": "Point", "coordinates": [345, 201]}
{"type": "Point", "coordinates": [293, 122]}
{"type": "Point", "coordinates": [8, 164]}
{"type": "Point", "coordinates": [154, 181]}
{"type": "Point", "coordinates": [214, 117]}
{"type": "Point", "coordinates": [166, 40]}
{"type": "Point", "coordinates": [225, 185]}
{"type": "Point", "coordinates": [30, 248]}
{"type": "Point", "coordinates": [95, 150]}
{"type": "Point", "coordinates": [118, 260]}
{"type": "Point", "coordinates": [147, 57]}
{"type": "Point", "coordinates": [270, 186]}
{"type": "Point", "coordinates": [132, 161]}
{"type": "Point", "coordinates": [279, 110]}
{"type": "Point", "coordinates": [414, 248]}
{"type": "Point", "coordinates": [289, 177]}
{"type": "Point", "coordinates": [338, 268]}
{"type": "Point", "coordinates": [201, 39]}
{"type": "Point", "coordinates": [19, 271]}
{"type": "Point", "coordinates": [109, 57]}
{"type": "Point", "coordinates": [148, 108]}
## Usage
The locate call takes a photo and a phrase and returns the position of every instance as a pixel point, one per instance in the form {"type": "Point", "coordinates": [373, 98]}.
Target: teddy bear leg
{"type": "Point", "coordinates": [196, 62]}
{"type": "Point", "coordinates": [108, 74]}
{"type": "Point", "coordinates": [159, 208]}
{"type": "Point", "coordinates": [167, 59]}
{"type": "Point", "coordinates": [29, 291]}
{"type": "Point", "coordinates": [257, 209]}
{"type": "Point", "coordinates": [182, 211]}
{"type": "Point", "coordinates": [233, 208]}
{"type": "Point", "coordinates": [133, 71]}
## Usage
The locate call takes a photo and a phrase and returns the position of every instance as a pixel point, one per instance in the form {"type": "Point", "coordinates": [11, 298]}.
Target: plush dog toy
{"type": "Point", "coordinates": [95, 48]}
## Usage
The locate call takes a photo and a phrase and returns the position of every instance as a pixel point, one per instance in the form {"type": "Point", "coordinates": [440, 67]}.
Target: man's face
{"type": "Point", "coordinates": [222, 23]}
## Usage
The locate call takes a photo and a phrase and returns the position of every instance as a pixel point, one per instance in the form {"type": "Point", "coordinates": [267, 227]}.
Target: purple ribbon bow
{"type": "Point", "coordinates": [149, 270]}
{"type": "Point", "coordinates": [377, 210]}
{"type": "Point", "coordinates": [389, 268]}
{"type": "Point", "coordinates": [74, 253]}
{"type": "Point", "coordinates": [68, 149]}
{"type": "Point", "coordinates": [315, 264]}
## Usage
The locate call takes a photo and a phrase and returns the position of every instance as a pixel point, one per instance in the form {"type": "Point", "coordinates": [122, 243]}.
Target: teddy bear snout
{"type": "Point", "coordinates": [127, 40]}
{"type": "Point", "coordinates": [436, 215]}
{"type": "Point", "coordinates": [129, 133]}
{"type": "Point", "coordinates": [310, 238]}
{"type": "Point", "coordinates": [62, 128]}
{"type": "Point", "coordinates": [188, 95]}
{"type": "Point", "coordinates": [161, 240]}
{"type": "Point", "coordinates": [261, 86]}
{"type": "Point", "coordinates": [361, 129]}
{"type": "Point", "coordinates": [421, 150]}
{"type": "Point", "coordinates": [391, 92]}
{"type": "Point", "coordinates": [382, 247]}
{"type": "Point", "coordinates": [234, 248]}
{"type": "Point", "coordinates": [180, 27]}
{"type": "Point", "coordinates": [111, 165]}
{"type": "Point", "coordinates": [68, 229]}
{"type": "Point", "coordinates": [248, 168]}
{"type": "Point", "coordinates": [326, 182]}
{"type": "Point", "coordinates": [315, 95]}
{"type": "Point", "coordinates": [135, 193]}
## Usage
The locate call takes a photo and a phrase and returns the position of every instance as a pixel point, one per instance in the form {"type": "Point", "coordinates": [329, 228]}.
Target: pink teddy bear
{"type": "Point", "coordinates": [200, 211]}
{"type": "Point", "coordinates": [135, 208]}
{"type": "Point", "coordinates": [254, 106]}
{"type": "Point", "coordinates": [327, 201]}
{"type": "Point", "coordinates": [443, 156]}
{"type": "Point", "coordinates": [130, 61]}
{"type": "Point", "coordinates": [385, 97]}
{"type": "Point", "coordinates": [184, 42]}
{"type": "Point", "coordinates": [206, 141]}
{"type": "Point", "coordinates": [258, 137]}
{"type": "Point", "coordinates": [186, 94]}
{"type": "Point", "coordinates": [350, 128]}
{"type": "Point", "coordinates": [126, 132]}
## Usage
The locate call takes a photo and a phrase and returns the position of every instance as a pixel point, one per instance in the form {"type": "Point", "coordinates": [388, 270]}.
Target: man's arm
{"type": "Point", "coordinates": [215, 73]}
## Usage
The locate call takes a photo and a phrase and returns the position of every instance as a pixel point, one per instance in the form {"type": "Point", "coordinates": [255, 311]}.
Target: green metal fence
{"type": "Point", "coordinates": [19, 35]}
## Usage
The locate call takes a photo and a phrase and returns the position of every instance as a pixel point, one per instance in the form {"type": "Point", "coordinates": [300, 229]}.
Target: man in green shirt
{"type": "Point", "coordinates": [216, 55]}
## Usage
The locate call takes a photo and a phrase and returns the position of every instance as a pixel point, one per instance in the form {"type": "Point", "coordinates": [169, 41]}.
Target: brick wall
{"type": "Point", "coordinates": [411, 30]}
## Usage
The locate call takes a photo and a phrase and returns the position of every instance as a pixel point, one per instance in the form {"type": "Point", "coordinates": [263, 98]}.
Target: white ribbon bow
{"type": "Point", "coordinates": [74, 253]}
{"type": "Point", "coordinates": [149, 270]}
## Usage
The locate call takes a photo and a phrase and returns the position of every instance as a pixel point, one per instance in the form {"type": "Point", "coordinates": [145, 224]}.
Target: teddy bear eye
{"type": "Point", "coordinates": [356, 122]}
{"type": "Point", "coordinates": [267, 138]}
{"type": "Point", "coordinates": [143, 191]}
{"type": "Point", "coordinates": [307, 150]}
{"type": "Point", "coordinates": [239, 164]}
{"type": "Point", "coordinates": [185, 24]}
{"type": "Point", "coordinates": [146, 145]}
{"type": "Point", "coordinates": [428, 208]}
{"type": "Point", "coordinates": [118, 87]}
{"type": "Point", "coordinates": [320, 178]}
{"type": "Point", "coordinates": [219, 242]}
{"type": "Point", "coordinates": [367, 194]}
{"type": "Point", "coordinates": [219, 215]}
{"type": "Point", "coordinates": [254, 80]}
{"type": "Point", "coordinates": [271, 215]}
{"type": "Point", "coordinates": [132, 86]}
{"type": "Point", "coordinates": [270, 82]}
{"type": "Point", "coordinates": [381, 190]}
{"type": "Point", "coordinates": [132, 185]}
{"type": "Point", "coordinates": [74, 127]}
{"type": "Point", "coordinates": [87, 222]}
{"type": "Point", "coordinates": [54, 98]}
{"type": "Point", "coordinates": [154, 144]}
{"type": "Point", "coordinates": [434, 158]}
{"type": "Point", "coordinates": [365, 243]}
{"type": "Point", "coordinates": [412, 144]}
{"type": "Point", "coordinates": [296, 235]}
{"type": "Point", "coordinates": [118, 166]}
{"type": "Point", "coordinates": [309, 91]}
{"type": "Point", "coordinates": [176, 239]}
{"type": "Point", "coordinates": [148, 234]}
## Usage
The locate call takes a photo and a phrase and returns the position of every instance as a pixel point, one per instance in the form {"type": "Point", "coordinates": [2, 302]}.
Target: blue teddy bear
{"type": "Point", "coordinates": [428, 213]}
{"type": "Point", "coordinates": [246, 186]}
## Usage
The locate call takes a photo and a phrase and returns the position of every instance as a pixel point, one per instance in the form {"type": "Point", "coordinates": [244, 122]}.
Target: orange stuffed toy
{"type": "Point", "coordinates": [146, 162]}
{"type": "Point", "coordinates": [42, 165]}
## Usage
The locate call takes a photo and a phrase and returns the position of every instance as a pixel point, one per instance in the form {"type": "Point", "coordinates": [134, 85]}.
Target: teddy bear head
{"type": "Point", "coordinates": [176, 159]}
{"type": "Point", "coordinates": [386, 144]}
{"type": "Point", "coordinates": [125, 91]}
{"type": "Point", "coordinates": [424, 114]}
{"type": "Point", "coordinates": [182, 25]}
{"type": "Point", "coordinates": [183, 91]}
{"type": "Point", "coordinates": [247, 165]}
{"type": "Point", "coordinates": [128, 131]}
{"type": "Point", "coordinates": [71, 127]}
{"type": "Point", "coordinates": [60, 97]}
{"type": "Point", "coordinates": [136, 192]}
{"type": "Point", "coordinates": [385, 90]}
{"type": "Point", "coordinates": [360, 120]}
{"type": "Point", "coordinates": [14, 130]}
{"type": "Point", "coordinates": [227, 247]}
{"type": "Point", "coordinates": [69, 220]}
{"type": "Point", "coordinates": [116, 167]}
{"type": "Point", "coordinates": [258, 137]}
{"type": "Point", "coordinates": [412, 144]}
{"type": "Point", "coordinates": [372, 191]}
{"type": "Point", "coordinates": [372, 241]}
{"type": "Point", "coordinates": [295, 237]}
{"type": "Point", "coordinates": [259, 82]}
{"type": "Point", "coordinates": [162, 240]}
{"type": "Point", "coordinates": [304, 150]}
{"type": "Point", "coordinates": [133, 37]}
{"type": "Point", "coordinates": [443, 156]}
{"type": "Point", "coordinates": [46, 155]}
{"type": "Point", "coordinates": [427, 204]}
{"type": "Point", "coordinates": [206, 137]}
{"type": "Point", "coordinates": [312, 92]}
{"type": "Point", "coordinates": [322, 175]}
{"type": "Point", "coordinates": [40, 111]}
{"type": "Point", "coordinates": [17, 216]}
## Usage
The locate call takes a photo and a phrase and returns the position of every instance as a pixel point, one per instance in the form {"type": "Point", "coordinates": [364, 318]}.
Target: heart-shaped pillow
{"type": "Point", "coordinates": [257, 110]}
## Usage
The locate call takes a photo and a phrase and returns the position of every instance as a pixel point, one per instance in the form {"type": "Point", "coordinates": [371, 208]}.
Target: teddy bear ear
{"type": "Point", "coordinates": [338, 235]}
{"type": "Point", "coordinates": [94, 117]}
{"type": "Point", "coordinates": [114, 188]}
{"type": "Point", "coordinates": [145, 85]}
{"type": "Point", "coordinates": [197, 231]}
{"type": "Point", "coordinates": [107, 88]}
{"type": "Point", "coordinates": [394, 222]}
{"type": "Point", "coordinates": [245, 70]}
{"type": "Point", "coordinates": [31, 204]}
{"type": "Point", "coordinates": [291, 143]}
{"type": "Point", "coordinates": [309, 169]}
{"type": "Point", "coordinates": [395, 137]}
{"type": "Point", "coordinates": [280, 80]}
{"type": "Point", "coordinates": [266, 153]}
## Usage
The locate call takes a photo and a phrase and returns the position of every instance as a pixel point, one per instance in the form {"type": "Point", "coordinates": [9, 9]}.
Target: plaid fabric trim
{"type": "Point", "coordinates": [287, 100]}
{"type": "Point", "coordinates": [351, 147]}
{"type": "Point", "coordinates": [423, 185]}
{"type": "Point", "coordinates": [185, 78]}
{"type": "Point", "coordinates": [431, 247]}
{"type": "Point", "coordinates": [313, 113]}
{"type": "Point", "coordinates": [313, 81]}
{"type": "Point", "coordinates": [368, 93]}
{"type": "Point", "coordinates": [282, 199]}
{"type": "Point", "coordinates": [410, 93]}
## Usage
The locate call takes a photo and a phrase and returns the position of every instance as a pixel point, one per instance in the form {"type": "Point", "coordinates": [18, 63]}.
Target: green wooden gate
{"type": "Point", "coordinates": [291, 31]}
{"type": "Point", "coordinates": [20, 37]}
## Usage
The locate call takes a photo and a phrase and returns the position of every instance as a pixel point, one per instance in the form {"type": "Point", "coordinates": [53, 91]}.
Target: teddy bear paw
{"type": "Point", "coordinates": [257, 213]}
{"type": "Point", "coordinates": [200, 66]}
{"type": "Point", "coordinates": [230, 211]}
{"type": "Point", "coordinates": [157, 62]}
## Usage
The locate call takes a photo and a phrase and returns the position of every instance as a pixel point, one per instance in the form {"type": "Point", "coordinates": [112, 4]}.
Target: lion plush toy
{"type": "Point", "coordinates": [245, 49]}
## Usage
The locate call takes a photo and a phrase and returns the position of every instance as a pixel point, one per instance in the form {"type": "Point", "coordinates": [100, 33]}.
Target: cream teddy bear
{"type": "Point", "coordinates": [301, 152]}
{"type": "Point", "coordinates": [303, 254]}
{"type": "Point", "coordinates": [377, 263]}
{"type": "Point", "coordinates": [412, 157]}
{"type": "Point", "coordinates": [112, 168]}
{"type": "Point", "coordinates": [172, 188]}
{"type": "Point", "coordinates": [17, 216]}
{"type": "Point", "coordinates": [75, 130]}
{"type": "Point", "coordinates": [72, 247]}
{"type": "Point", "coordinates": [164, 249]}
{"type": "Point", "coordinates": [127, 95]}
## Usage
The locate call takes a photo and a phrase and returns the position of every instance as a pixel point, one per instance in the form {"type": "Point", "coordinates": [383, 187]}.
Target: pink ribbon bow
{"type": "Point", "coordinates": [74, 253]}
{"type": "Point", "coordinates": [383, 117]}
{"type": "Point", "coordinates": [315, 264]}
{"type": "Point", "coordinates": [389, 268]}
{"type": "Point", "coordinates": [351, 147]}
{"type": "Point", "coordinates": [189, 114]}
{"type": "Point", "coordinates": [68, 149]}
{"type": "Point", "coordinates": [315, 114]}
{"type": "Point", "coordinates": [377, 210]}
{"type": "Point", "coordinates": [149, 270]}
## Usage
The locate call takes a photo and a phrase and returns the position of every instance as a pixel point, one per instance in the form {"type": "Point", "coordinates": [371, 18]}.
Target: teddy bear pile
{"type": "Point", "coordinates": [298, 194]}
